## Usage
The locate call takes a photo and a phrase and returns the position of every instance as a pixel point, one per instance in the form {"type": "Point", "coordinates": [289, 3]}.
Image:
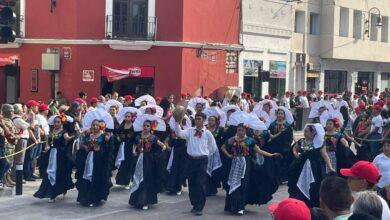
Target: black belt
{"type": "Point", "coordinates": [198, 157]}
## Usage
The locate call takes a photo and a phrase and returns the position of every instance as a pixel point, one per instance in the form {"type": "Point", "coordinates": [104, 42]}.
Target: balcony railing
{"type": "Point", "coordinates": [136, 28]}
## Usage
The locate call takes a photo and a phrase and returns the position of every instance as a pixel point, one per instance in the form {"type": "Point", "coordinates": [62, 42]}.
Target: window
{"type": "Point", "coordinates": [385, 29]}
{"type": "Point", "coordinates": [335, 81]}
{"type": "Point", "coordinates": [344, 22]}
{"type": "Point", "coordinates": [373, 27]}
{"type": "Point", "coordinates": [231, 62]}
{"type": "Point", "coordinates": [357, 24]}
{"type": "Point", "coordinates": [130, 19]}
{"type": "Point", "coordinates": [299, 22]}
{"type": "Point", "coordinates": [314, 24]}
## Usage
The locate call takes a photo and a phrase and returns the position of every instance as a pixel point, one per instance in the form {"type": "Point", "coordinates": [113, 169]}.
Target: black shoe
{"type": "Point", "coordinates": [193, 210]}
{"type": "Point", "coordinates": [198, 213]}
{"type": "Point", "coordinates": [30, 179]}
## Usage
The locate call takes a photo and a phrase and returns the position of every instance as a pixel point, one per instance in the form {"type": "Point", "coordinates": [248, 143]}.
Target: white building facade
{"type": "Point", "coordinates": [345, 45]}
{"type": "Point", "coordinates": [266, 37]}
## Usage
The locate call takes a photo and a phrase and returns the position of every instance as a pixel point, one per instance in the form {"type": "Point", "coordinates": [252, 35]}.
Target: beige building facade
{"type": "Point", "coordinates": [340, 44]}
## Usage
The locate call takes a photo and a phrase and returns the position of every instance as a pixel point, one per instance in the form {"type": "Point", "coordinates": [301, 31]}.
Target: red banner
{"type": "Point", "coordinates": [115, 72]}
{"type": "Point", "coordinates": [6, 59]}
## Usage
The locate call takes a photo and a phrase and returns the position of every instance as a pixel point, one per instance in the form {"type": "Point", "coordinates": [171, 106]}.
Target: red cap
{"type": "Point", "coordinates": [381, 103]}
{"type": "Point", "coordinates": [356, 96]}
{"type": "Point", "coordinates": [43, 107]}
{"type": "Point", "coordinates": [128, 98]}
{"type": "Point", "coordinates": [31, 103]}
{"type": "Point", "coordinates": [79, 100]}
{"type": "Point", "coordinates": [320, 92]}
{"type": "Point", "coordinates": [304, 92]}
{"type": "Point", "coordinates": [377, 107]}
{"type": "Point", "coordinates": [266, 97]}
{"type": "Point", "coordinates": [94, 100]}
{"type": "Point", "coordinates": [183, 95]}
{"type": "Point", "coordinates": [288, 93]}
{"type": "Point", "coordinates": [158, 99]}
{"type": "Point", "coordinates": [299, 92]}
{"type": "Point", "coordinates": [290, 209]}
{"type": "Point", "coordinates": [363, 170]}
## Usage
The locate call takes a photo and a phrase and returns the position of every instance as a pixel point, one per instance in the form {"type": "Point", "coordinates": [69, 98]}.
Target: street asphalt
{"type": "Point", "coordinates": [116, 208]}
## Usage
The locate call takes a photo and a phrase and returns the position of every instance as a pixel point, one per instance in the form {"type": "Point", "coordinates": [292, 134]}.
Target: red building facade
{"type": "Point", "coordinates": [166, 46]}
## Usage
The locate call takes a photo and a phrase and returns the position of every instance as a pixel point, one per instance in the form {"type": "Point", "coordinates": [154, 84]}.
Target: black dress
{"type": "Point", "coordinates": [340, 155]}
{"type": "Point", "coordinates": [177, 176]}
{"type": "Point", "coordinates": [237, 200]}
{"type": "Point", "coordinates": [263, 181]}
{"type": "Point", "coordinates": [96, 190]}
{"type": "Point", "coordinates": [147, 191]}
{"type": "Point", "coordinates": [125, 171]}
{"type": "Point", "coordinates": [308, 152]}
{"type": "Point", "coordinates": [217, 175]}
{"type": "Point", "coordinates": [281, 145]}
{"type": "Point", "coordinates": [63, 178]}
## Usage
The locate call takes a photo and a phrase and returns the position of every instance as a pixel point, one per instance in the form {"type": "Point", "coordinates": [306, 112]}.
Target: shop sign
{"type": "Point", "coordinates": [7, 59]}
{"type": "Point", "coordinates": [88, 75]}
{"type": "Point", "coordinates": [313, 75]}
{"type": "Point", "coordinates": [116, 72]}
{"type": "Point", "coordinates": [277, 69]}
{"type": "Point", "coordinates": [67, 53]}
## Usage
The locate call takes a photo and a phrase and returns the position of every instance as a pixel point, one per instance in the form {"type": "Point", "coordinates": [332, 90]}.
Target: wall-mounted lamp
{"type": "Point", "coordinates": [368, 22]}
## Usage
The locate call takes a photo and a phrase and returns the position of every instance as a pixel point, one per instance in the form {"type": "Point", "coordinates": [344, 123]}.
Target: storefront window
{"type": "Point", "coordinates": [335, 81]}
{"type": "Point", "coordinates": [385, 81]}
{"type": "Point", "coordinates": [365, 82]}
{"type": "Point", "coordinates": [277, 81]}
{"type": "Point", "coordinates": [251, 79]}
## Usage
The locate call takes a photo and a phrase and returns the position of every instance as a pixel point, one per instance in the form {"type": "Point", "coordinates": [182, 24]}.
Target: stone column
{"type": "Point", "coordinates": [352, 77]}
{"type": "Point", "coordinates": [377, 80]}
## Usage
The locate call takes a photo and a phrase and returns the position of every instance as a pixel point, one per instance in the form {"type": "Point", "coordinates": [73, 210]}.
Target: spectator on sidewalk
{"type": "Point", "coordinates": [363, 176]}
{"type": "Point", "coordinates": [4, 165]}
{"type": "Point", "coordinates": [10, 140]}
{"type": "Point", "coordinates": [336, 198]}
{"type": "Point", "coordinates": [290, 209]}
{"type": "Point", "coordinates": [382, 162]}
{"type": "Point", "coordinates": [368, 203]}
{"type": "Point", "coordinates": [24, 133]}
{"type": "Point", "coordinates": [31, 153]}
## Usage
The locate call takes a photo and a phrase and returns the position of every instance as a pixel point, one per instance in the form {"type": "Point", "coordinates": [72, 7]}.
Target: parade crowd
{"type": "Point", "coordinates": [245, 146]}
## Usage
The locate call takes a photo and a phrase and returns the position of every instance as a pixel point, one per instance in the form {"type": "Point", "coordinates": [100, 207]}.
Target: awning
{"type": "Point", "coordinates": [116, 72]}
{"type": "Point", "coordinates": [7, 59]}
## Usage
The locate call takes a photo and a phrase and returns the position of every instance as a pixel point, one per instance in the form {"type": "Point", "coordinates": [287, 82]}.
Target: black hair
{"type": "Point", "coordinates": [336, 194]}
{"type": "Point", "coordinates": [344, 112]}
{"type": "Point", "coordinates": [318, 214]}
{"type": "Point", "coordinates": [82, 94]}
{"type": "Point", "coordinates": [164, 104]}
{"type": "Point", "coordinates": [201, 114]}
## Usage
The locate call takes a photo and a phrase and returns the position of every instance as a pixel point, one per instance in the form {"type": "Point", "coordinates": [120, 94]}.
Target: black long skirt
{"type": "Point", "coordinates": [177, 175]}
{"type": "Point", "coordinates": [63, 176]}
{"type": "Point", "coordinates": [237, 201]}
{"type": "Point", "coordinates": [126, 170]}
{"type": "Point", "coordinates": [147, 191]}
{"type": "Point", "coordinates": [264, 183]}
{"type": "Point", "coordinates": [98, 189]}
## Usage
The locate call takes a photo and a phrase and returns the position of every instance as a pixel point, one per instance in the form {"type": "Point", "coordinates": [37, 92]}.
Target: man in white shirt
{"type": "Point", "coordinates": [23, 132]}
{"type": "Point", "coordinates": [304, 101]}
{"type": "Point", "coordinates": [286, 100]}
{"type": "Point", "coordinates": [42, 119]}
{"type": "Point", "coordinates": [244, 103]}
{"type": "Point", "coordinates": [376, 130]}
{"type": "Point", "coordinates": [200, 145]}
{"type": "Point", "coordinates": [355, 101]}
{"type": "Point", "coordinates": [340, 102]}
{"type": "Point", "coordinates": [382, 162]}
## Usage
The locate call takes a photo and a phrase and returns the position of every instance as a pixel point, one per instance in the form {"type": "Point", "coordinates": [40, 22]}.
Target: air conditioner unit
{"type": "Point", "coordinates": [51, 61]}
